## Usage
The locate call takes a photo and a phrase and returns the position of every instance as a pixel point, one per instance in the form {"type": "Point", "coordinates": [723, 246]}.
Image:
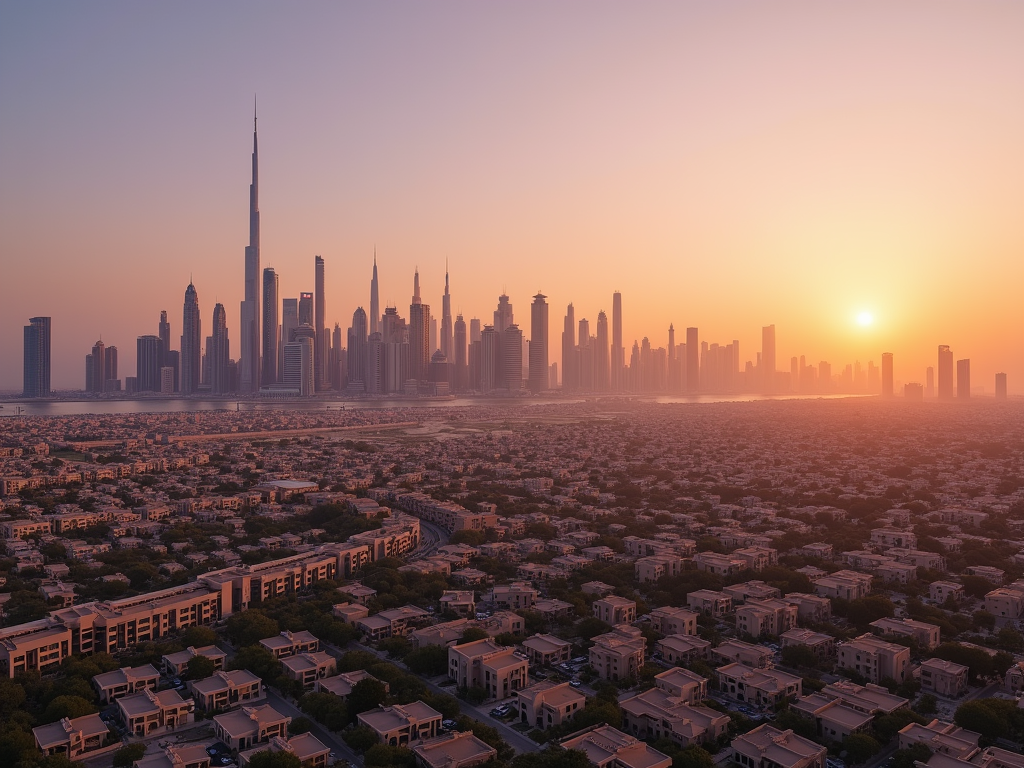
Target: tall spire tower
{"type": "Point", "coordinates": [249, 365]}
{"type": "Point", "coordinates": [416, 288]}
{"type": "Point", "coordinates": [446, 319]}
{"type": "Point", "coordinates": [374, 298]}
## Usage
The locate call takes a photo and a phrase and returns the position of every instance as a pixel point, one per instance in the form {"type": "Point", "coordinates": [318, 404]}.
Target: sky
{"type": "Point", "coordinates": [724, 165]}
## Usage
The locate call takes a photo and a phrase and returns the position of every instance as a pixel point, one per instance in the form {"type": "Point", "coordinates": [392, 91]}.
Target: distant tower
{"type": "Point", "coordinates": [618, 351]}
{"type": "Point", "coordinates": [419, 334]}
{"type": "Point", "coordinates": [945, 373]}
{"type": "Point", "coordinates": [1000, 386]}
{"type": "Point", "coordinates": [692, 360]}
{"type": "Point", "coordinates": [191, 343]}
{"type": "Point", "coordinates": [768, 362]}
{"type": "Point", "coordinates": [289, 322]}
{"type": "Point", "coordinates": [490, 348]}
{"type": "Point", "coordinates": [512, 358]}
{"type": "Point", "coordinates": [249, 358]}
{"type": "Point", "coordinates": [601, 359]}
{"type": "Point", "coordinates": [270, 329]}
{"type": "Point", "coordinates": [963, 379]}
{"type": "Point", "coordinates": [322, 341]}
{"type": "Point", "coordinates": [165, 335]}
{"type": "Point", "coordinates": [929, 381]}
{"type": "Point", "coordinates": [569, 374]}
{"type": "Point", "coordinates": [887, 383]}
{"type": "Point", "coordinates": [357, 339]}
{"type": "Point", "coordinates": [221, 351]}
{"type": "Point", "coordinates": [97, 359]}
{"type": "Point", "coordinates": [148, 354]}
{"type": "Point", "coordinates": [539, 343]}
{"type": "Point", "coordinates": [374, 298]}
{"type": "Point", "coordinates": [673, 367]}
{"type": "Point", "coordinates": [461, 359]}
{"type": "Point", "coordinates": [446, 320]}
{"type": "Point", "coordinates": [306, 308]}
{"type": "Point", "coordinates": [36, 374]}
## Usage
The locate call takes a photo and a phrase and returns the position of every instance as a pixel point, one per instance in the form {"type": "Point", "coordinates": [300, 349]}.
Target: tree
{"type": "Point", "coordinates": [799, 656]}
{"type": "Point", "coordinates": [249, 627]}
{"type": "Point", "coordinates": [327, 709]}
{"type": "Point", "coordinates": [473, 634]}
{"type": "Point", "coordinates": [926, 705]}
{"type": "Point", "coordinates": [387, 756]}
{"type": "Point", "coordinates": [468, 537]}
{"type": "Point", "coordinates": [360, 738]}
{"type": "Point", "coordinates": [369, 693]}
{"type": "Point", "coordinates": [128, 754]}
{"type": "Point", "coordinates": [300, 725]}
{"type": "Point", "coordinates": [197, 637]}
{"type": "Point", "coordinates": [430, 660]}
{"type": "Point", "coordinates": [69, 707]}
{"type": "Point", "coordinates": [909, 757]}
{"type": "Point", "coordinates": [258, 660]}
{"type": "Point", "coordinates": [693, 757]}
{"type": "Point", "coordinates": [860, 747]}
{"type": "Point", "coordinates": [992, 718]}
{"type": "Point", "coordinates": [199, 668]}
{"type": "Point", "coordinates": [265, 758]}
{"type": "Point", "coordinates": [864, 610]}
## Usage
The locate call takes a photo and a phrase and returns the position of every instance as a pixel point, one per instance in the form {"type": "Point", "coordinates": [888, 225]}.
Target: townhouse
{"type": "Point", "coordinates": [926, 635]}
{"type": "Point", "coordinates": [122, 682]}
{"type": "Point", "coordinates": [290, 643]}
{"type": "Point", "coordinates": [246, 727]}
{"type": "Point", "coordinates": [615, 610]}
{"type": "Point", "coordinates": [943, 678]}
{"type": "Point", "coordinates": [546, 704]}
{"type": "Point", "coordinates": [225, 689]}
{"type": "Point", "coordinates": [769, 747]}
{"type": "Point", "coordinates": [73, 737]}
{"type": "Point", "coordinates": [874, 659]}
{"type": "Point", "coordinates": [402, 725]}
{"type": "Point", "coordinates": [460, 749]}
{"type": "Point", "coordinates": [619, 654]}
{"type": "Point", "coordinates": [485, 664]}
{"type": "Point", "coordinates": [307, 668]}
{"type": "Point", "coordinates": [674, 621]}
{"type": "Point", "coordinates": [608, 747]}
{"type": "Point", "coordinates": [149, 711]}
{"type": "Point", "coordinates": [545, 650]}
{"type": "Point", "coordinates": [682, 649]}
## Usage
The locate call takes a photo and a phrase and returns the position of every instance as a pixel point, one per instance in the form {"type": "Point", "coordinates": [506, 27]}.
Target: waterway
{"type": "Point", "coordinates": [12, 407]}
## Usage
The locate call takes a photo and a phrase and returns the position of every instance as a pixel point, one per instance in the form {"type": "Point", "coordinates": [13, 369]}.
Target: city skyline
{"type": "Point", "coordinates": [853, 207]}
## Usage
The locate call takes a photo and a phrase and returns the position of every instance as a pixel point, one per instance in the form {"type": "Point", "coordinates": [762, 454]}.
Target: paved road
{"type": "Point", "coordinates": [518, 741]}
{"type": "Point", "coordinates": [431, 538]}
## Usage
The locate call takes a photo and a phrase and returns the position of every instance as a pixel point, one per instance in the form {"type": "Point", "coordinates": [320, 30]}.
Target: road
{"type": "Point", "coordinates": [518, 741]}
{"type": "Point", "coordinates": [432, 537]}
{"type": "Point", "coordinates": [330, 740]}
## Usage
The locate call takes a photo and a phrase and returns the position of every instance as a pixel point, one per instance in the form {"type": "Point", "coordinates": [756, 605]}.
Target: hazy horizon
{"type": "Point", "coordinates": [725, 166]}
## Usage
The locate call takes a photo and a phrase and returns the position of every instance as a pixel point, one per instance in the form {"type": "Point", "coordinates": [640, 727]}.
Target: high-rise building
{"type": "Point", "coordinates": [512, 358]}
{"type": "Point", "coordinates": [337, 369]}
{"type": "Point", "coordinates": [692, 360]}
{"type": "Point", "coordinates": [1000, 386]}
{"type": "Point", "coordinates": [539, 343]}
{"type": "Point", "coordinates": [357, 338]}
{"type": "Point", "coordinates": [111, 383]}
{"type": "Point", "coordinates": [963, 379]}
{"type": "Point", "coordinates": [618, 351]}
{"type": "Point", "coordinates": [374, 297]}
{"type": "Point", "coordinates": [490, 348]}
{"type": "Point", "coordinates": [945, 373]}
{"type": "Point", "coordinates": [306, 308]}
{"type": "Point", "coordinates": [602, 361]}
{"type": "Point", "coordinates": [269, 375]}
{"type": "Point", "coordinates": [322, 341]}
{"type": "Point", "coordinates": [768, 362]}
{"type": "Point", "coordinates": [446, 320]}
{"type": "Point", "coordinates": [298, 361]}
{"type": "Point", "coordinates": [929, 381]}
{"type": "Point", "coordinates": [289, 322]}
{"type": "Point", "coordinates": [569, 372]}
{"type": "Point", "coordinates": [419, 334]}
{"type": "Point", "coordinates": [95, 362]}
{"type": "Point", "coordinates": [887, 380]}
{"type": "Point", "coordinates": [219, 350]}
{"type": "Point", "coordinates": [461, 357]}
{"type": "Point", "coordinates": [149, 352]}
{"type": "Point", "coordinates": [36, 373]}
{"type": "Point", "coordinates": [249, 358]}
{"type": "Point", "coordinates": [165, 334]}
{"type": "Point", "coordinates": [191, 343]}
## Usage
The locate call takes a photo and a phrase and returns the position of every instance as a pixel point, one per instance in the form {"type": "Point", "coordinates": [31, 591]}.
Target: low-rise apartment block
{"type": "Point", "coordinates": [402, 725]}
{"type": "Point", "coordinates": [546, 704]}
{"type": "Point", "coordinates": [847, 585]}
{"type": "Point", "coordinates": [460, 749]}
{"type": "Point", "coordinates": [941, 591]}
{"type": "Point", "coordinates": [243, 728]}
{"type": "Point", "coordinates": [751, 590]}
{"type": "Point", "coordinates": [71, 737]}
{"type": "Point", "coordinates": [307, 668]}
{"type": "Point", "coordinates": [709, 602]}
{"type": "Point", "coordinates": [545, 650]}
{"type": "Point", "coordinates": [485, 664]}
{"type": "Point", "coordinates": [1006, 602]}
{"type": "Point", "coordinates": [926, 635]}
{"type": "Point", "coordinates": [682, 649]}
{"type": "Point", "coordinates": [226, 689]}
{"type": "Point", "coordinates": [757, 656]}
{"type": "Point", "coordinates": [309, 750]}
{"type": "Point", "coordinates": [674, 621]}
{"type": "Point", "coordinates": [149, 711]}
{"type": "Point", "coordinates": [811, 608]}
{"type": "Point", "coordinates": [341, 685]}
{"type": "Point", "coordinates": [766, 617]}
{"type": "Point", "coordinates": [823, 646]}
{"type": "Point", "coordinates": [615, 610]}
{"type": "Point", "coordinates": [127, 680]}
{"type": "Point", "coordinates": [515, 596]}
{"type": "Point", "coordinates": [768, 747]}
{"type": "Point", "coordinates": [874, 658]}
{"type": "Point", "coordinates": [718, 564]}
{"type": "Point", "coordinates": [673, 710]}
{"type": "Point", "coordinates": [758, 687]}
{"type": "Point", "coordinates": [619, 654]}
{"type": "Point", "coordinates": [944, 678]}
{"type": "Point", "coordinates": [175, 664]}
{"type": "Point", "coordinates": [608, 747]}
{"type": "Point", "coordinates": [290, 643]}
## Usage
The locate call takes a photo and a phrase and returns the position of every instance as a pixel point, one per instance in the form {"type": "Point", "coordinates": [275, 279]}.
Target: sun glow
{"type": "Point", "coordinates": [864, 319]}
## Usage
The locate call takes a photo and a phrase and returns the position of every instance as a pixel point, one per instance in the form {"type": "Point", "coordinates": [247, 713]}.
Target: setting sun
{"type": "Point", "coordinates": [865, 319]}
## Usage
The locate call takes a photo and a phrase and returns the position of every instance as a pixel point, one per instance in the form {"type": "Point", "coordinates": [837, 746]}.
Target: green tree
{"type": "Point", "coordinates": [387, 756]}
{"type": "Point", "coordinates": [992, 718]}
{"type": "Point", "coordinates": [249, 627]}
{"type": "Point", "coordinates": [299, 725]}
{"type": "Point", "coordinates": [927, 705]}
{"type": "Point", "coordinates": [199, 668]}
{"type": "Point", "coordinates": [265, 758]}
{"type": "Point", "coordinates": [860, 747]}
{"type": "Point", "coordinates": [693, 757]}
{"type": "Point", "coordinates": [909, 757]}
{"type": "Point", "coordinates": [360, 738]}
{"type": "Point", "coordinates": [430, 660]}
{"type": "Point", "coordinates": [197, 637]}
{"type": "Point", "coordinates": [799, 656]}
{"type": "Point", "coordinates": [473, 634]}
{"type": "Point", "coordinates": [258, 660]}
{"type": "Point", "coordinates": [864, 610]}
{"type": "Point", "coordinates": [367, 694]}
{"type": "Point", "coordinates": [69, 707]}
{"type": "Point", "coordinates": [128, 754]}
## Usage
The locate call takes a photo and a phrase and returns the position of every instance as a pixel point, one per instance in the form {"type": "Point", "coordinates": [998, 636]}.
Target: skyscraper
{"type": "Point", "coordinates": [569, 378]}
{"type": "Point", "coordinates": [165, 335]}
{"type": "Point", "coordinates": [220, 351]}
{"type": "Point", "coordinates": [110, 380]}
{"type": "Point", "coordinates": [963, 379]}
{"type": "Point", "coordinates": [692, 360]}
{"type": "Point", "coordinates": [149, 353]}
{"type": "Point", "coordinates": [36, 373]}
{"type": "Point", "coordinates": [512, 358]}
{"type": "Point", "coordinates": [768, 362]}
{"type": "Point", "coordinates": [322, 342]}
{"type": "Point", "coordinates": [337, 371]}
{"type": "Point", "coordinates": [419, 334]}
{"type": "Point", "coordinates": [490, 348]}
{"type": "Point", "coordinates": [357, 338]}
{"type": "Point", "coordinates": [289, 322]}
{"type": "Point", "coordinates": [306, 308]}
{"type": "Point", "coordinates": [249, 362]}
{"type": "Point", "coordinates": [94, 368]}
{"type": "Point", "coordinates": [601, 359]}
{"type": "Point", "coordinates": [618, 351]}
{"type": "Point", "coordinates": [929, 381]}
{"type": "Point", "coordinates": [446, 320]}
{"type": "Point", "coordinates": [887, 382]}
{"type": "Point", "coordinates": [374, 297]}
{"type": "Point", "coordinates": [1000, 386]}
{"type": "Point", "coordinates": [539, 343]}
{"type": "Point", "coordinates": [461, 357]}
{"type": "Point", "coordinates": [269, 375]}
{"type": "Point", "coordinates": [191, 343]}
{"type": "Point", "coordinates": [945, 372]}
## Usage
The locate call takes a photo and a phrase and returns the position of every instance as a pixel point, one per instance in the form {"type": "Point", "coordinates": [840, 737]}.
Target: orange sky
{"type": "Point", "coordinates": [725, 165]}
